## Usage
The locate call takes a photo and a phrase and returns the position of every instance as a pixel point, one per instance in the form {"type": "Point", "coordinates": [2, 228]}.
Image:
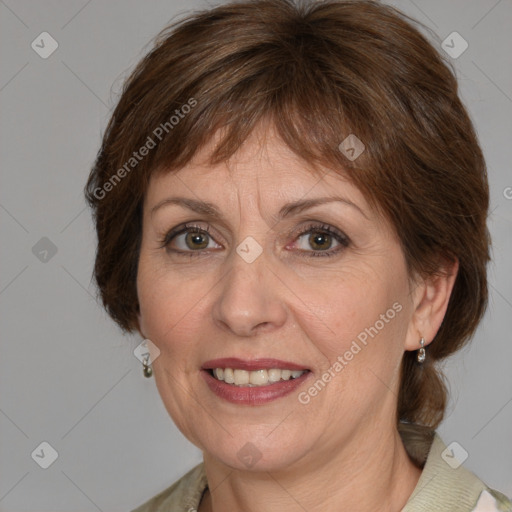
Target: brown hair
{"type": "Point", "coordinates": [318, 71]}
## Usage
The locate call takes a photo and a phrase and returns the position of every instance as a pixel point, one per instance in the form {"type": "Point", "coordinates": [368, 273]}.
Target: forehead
{"type": "Point", "coordinates": [263, 165]}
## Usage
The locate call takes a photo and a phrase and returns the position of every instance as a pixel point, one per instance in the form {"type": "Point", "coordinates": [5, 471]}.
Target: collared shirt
{"type": "Point", "coordinates": [444, 485]}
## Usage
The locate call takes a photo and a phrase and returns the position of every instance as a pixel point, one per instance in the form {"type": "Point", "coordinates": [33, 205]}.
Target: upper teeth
{"type": "Point", "coordinates": [255, 378]}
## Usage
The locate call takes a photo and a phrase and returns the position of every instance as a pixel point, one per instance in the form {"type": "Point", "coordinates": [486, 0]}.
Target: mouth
{"type": "Point", "coordinates": [255, 378]}
{"type": "Point", "coordinates": [253, 382]}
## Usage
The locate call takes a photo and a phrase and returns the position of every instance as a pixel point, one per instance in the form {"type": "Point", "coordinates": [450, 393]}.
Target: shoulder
{"type": "Point", "coordinates": [445, 484]}
{"type": "Point", "coordinates": [183, 495]}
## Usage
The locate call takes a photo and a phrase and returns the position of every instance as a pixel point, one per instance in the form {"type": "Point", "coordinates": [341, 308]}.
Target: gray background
{"type": "Point", "coordinates": [68, 376]}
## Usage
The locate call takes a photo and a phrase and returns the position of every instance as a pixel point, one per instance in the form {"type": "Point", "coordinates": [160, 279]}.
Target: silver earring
{"type": "Point", "coordinates": [421, 351]}
{"type": "Point", "coordinates": [146, 368]}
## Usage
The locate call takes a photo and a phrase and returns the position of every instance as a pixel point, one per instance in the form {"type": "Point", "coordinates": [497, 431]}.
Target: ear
{"type": "Point", "coordinates": [430, 301]}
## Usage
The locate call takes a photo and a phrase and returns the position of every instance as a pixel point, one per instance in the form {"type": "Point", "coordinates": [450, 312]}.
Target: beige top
{"type": "Point", "coordinates": [444, 484]}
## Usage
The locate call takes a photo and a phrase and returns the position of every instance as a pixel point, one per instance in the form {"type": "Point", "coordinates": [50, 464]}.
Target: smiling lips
{"type": "Point", "coordinates": [239, 377]}
{"type": "Point", "coordinates": [252, 382]}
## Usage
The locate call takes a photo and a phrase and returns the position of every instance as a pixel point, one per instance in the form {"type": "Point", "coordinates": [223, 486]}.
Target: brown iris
{"type": "Point", "coordinates": [320, 241]}
{"type": "Point", "coordinates": [197, 240]}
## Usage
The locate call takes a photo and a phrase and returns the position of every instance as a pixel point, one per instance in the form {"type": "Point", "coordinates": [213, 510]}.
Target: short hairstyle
{"type": "Point", "coordinates": [318, 71]}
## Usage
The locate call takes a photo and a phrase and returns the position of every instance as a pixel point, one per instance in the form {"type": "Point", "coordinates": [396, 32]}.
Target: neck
{"type": "Point", "coordinates": [372, 472]}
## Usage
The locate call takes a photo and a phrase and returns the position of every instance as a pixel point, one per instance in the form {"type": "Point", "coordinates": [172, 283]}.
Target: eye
{"type": "Point", "coordinates": [188, 239]}
{"type": "Point", "coordinates": [191, 240]}
{"type": "Point", "coordinates": [321, 238]}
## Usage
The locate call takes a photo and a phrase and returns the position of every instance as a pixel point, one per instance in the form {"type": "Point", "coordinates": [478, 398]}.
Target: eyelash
{"type": "Point", "coordinates": [310, 228]}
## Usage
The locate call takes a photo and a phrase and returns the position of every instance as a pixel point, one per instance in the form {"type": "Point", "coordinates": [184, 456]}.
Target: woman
{"type": "Point", "coordinates": [291, 207]}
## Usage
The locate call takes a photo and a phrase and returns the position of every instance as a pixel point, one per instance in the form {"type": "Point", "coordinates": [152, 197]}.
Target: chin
{"type": "Point", "coordinates": [258, 453]}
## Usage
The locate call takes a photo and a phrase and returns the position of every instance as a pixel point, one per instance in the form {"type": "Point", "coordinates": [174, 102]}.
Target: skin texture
{"type": "Point", "coordinates": [342, 447]}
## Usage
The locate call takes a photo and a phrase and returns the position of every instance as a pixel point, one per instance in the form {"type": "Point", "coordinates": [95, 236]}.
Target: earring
{"type": "Point", "coordinates": [421, 351]}
{"type": "Point", "coordinates": [146, 368]}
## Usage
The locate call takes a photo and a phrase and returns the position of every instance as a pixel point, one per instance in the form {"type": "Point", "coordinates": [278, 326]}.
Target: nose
{"type": "Point", "coordinates": [250, 298]}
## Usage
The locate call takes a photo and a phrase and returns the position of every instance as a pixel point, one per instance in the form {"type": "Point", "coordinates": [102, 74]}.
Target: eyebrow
{"type": "Point", "coordinates": [288, 209]}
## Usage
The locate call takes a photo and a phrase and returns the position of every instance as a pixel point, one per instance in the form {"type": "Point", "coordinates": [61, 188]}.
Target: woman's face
{"type": "Point", "coordinates": [321, 287]}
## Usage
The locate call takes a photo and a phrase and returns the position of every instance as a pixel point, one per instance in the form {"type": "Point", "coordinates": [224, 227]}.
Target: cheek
{"type": "Point", "coordinates": [164, 303]}
{"type": "Point", "coordinates": [341, 304]}
{"type": "Point", "coordinates": [168, 318]}
{"type": "Point", "coordinates": [360, 322]}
